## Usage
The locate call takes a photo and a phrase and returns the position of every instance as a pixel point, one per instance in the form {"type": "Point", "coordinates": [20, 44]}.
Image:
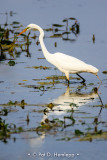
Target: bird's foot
{"type": "Point", "coordinates": [83, 82]}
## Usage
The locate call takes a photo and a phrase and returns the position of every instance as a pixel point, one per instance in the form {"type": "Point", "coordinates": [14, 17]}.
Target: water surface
{"type": "Point", "coordinates": [65, 120]}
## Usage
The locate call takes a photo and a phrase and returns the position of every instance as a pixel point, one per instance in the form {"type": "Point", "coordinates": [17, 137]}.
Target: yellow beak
{"type": "Point", "coordinates": [22, 31]}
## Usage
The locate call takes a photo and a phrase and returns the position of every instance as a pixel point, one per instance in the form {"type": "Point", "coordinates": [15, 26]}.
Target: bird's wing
{"type": "Point", "coordinates": [69, 63]}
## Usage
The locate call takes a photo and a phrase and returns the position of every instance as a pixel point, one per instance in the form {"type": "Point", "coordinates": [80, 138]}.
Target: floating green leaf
{"type": "Point", "coordinates": [71, 18]}
{"type": "Point", "coordinates": [39, 67]}
{"type": "Point", "coordinates": [57, 25]}
{"type": "Point", "coordinates": [73, 105]}
{"type": "Point", "coordinates": [56, 36]}
{"type": "Point", "coordinates": [11, 63]}
{"type": "Point", "coordinates": [78, 132]}
{"type": "Point", "coordinates": [15, 22]}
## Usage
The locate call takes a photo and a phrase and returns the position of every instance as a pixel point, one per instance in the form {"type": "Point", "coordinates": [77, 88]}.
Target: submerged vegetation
{"type": "Point", "coordinates": [84, 130]}
{"type": "Point", "coordinates": [10, 45]}
{"type": "Point", "coordinates": [64, 114]}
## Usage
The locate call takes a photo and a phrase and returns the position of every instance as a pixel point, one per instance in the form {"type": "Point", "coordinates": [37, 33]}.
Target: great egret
{"type": "Point", "coordinates": [63, 62]}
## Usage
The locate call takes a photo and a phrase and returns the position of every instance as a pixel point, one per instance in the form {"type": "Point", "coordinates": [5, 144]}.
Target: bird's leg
{"type": "Point", "coordinates": [99, 78]}
{"type": "Point", "coordinates": [81, 78]}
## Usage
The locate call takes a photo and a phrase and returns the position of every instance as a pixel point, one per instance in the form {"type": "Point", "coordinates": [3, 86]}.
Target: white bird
{"type": "Point", "coordinates": [65, 63]}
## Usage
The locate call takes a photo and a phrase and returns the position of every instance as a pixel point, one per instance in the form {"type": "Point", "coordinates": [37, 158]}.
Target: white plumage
{"type": "Point", "coordinates": [63, 62]}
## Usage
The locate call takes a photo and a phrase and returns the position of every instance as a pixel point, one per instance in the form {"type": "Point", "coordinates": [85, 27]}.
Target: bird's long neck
{"type": "Point", "coordinates": [44, 50]}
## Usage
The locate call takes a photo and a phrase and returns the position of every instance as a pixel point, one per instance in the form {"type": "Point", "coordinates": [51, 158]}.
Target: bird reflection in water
{"type": "Point", "coordinates": [58, 109]}
{"type": "Point", "coordinates": [69, 101]}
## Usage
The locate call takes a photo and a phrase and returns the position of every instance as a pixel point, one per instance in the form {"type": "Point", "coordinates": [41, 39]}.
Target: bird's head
{"type": "Point", "coordinates": [30, 26]}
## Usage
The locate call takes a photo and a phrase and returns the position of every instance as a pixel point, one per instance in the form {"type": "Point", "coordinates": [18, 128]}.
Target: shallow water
{"type": "Point", "coordinates": [69, 121]}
